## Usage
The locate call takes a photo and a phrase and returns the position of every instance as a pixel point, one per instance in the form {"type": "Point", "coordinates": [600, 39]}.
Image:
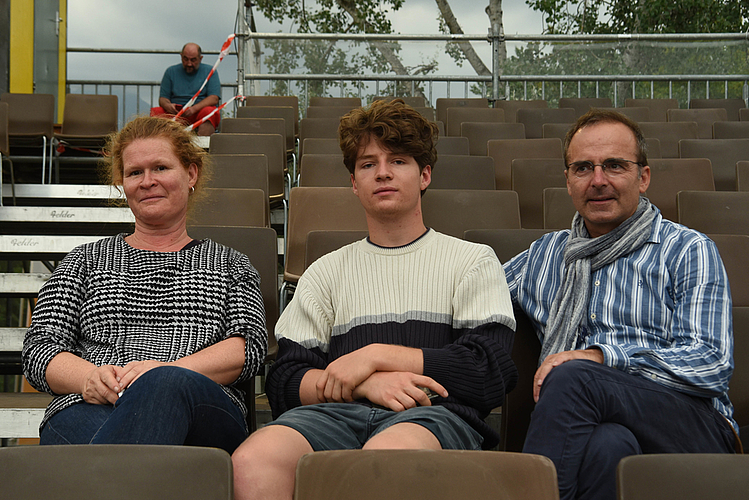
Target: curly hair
{"type": "Point", "coordinates": [145, 127]}
{"type": "Point", "coordinates": [395, 125]}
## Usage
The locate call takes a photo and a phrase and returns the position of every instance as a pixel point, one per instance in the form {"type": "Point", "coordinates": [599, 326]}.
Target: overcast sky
{"type": "Point", "coordinates": [149, 24]}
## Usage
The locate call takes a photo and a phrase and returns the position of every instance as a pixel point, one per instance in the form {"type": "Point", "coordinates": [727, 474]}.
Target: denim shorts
{"type": "Point", "coordinates": [347, 426]}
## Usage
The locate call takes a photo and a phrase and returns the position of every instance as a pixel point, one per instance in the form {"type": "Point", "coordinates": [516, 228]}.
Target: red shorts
{"type": "Point", "coordinates": [215, 119]}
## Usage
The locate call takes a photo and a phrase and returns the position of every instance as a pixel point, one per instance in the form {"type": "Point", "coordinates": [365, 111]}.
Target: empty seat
{"type": "Point", "coordinates": [734, 249]}
{"type": "Point", "coordinates": [558, 208]}
{"type": "Point", "coordinates": [320, 243]}
{"type": "Point", "coordinates": [744, 114]}
{"type": "Point", "coordinates": [452, 146]}
{"type": "Point", "coordinates": [669, 134]}
{"type": "Point", "coordinates": [326, 170]}
{"type": "Point", "coordinates": [582, 105]}
{"type": "Point", "coordinates": [463, 172]}
{"type": "Point", "coordinates": [288, 114]}
{"type": "Point", "coordinates": [718, 212]}
{"type": "Point", "coordinates": [320, 146]}
{"type": "Point", "coordinates": [313, 208]}
{"type": "Point", "coordinates": [723, 155]}
{"type": "Point", "coordinates": [456, 117]}
{"type": "Point", "coordinates": [454, 211]}
{"type": "Point", "coordinates": [146, 472]}
{"type": "Point", "coordinates": [290, 101]}
{"type": "Point", "coordinates": [703, 117]}
{"type": "Point", "coordinates": [327, 111]}
{"type": "Point", "coordinates": [241, 171]}
{"type": "Point", "coordinates": [319, 128]}
{"type": "Point", "coordinates": [505, 150]}
{"type": "Point", "coordinates": [558, 130]}
{"type": "Point", "coordinates": [668, 176]}
{"type": "Point", "coordinates": [428, 113]}
{"type": "Point", "coordinates": [443, 103]}
{"type": "Point", "coordinates": [653, 146]}
{"type": "Point", "coordinates": [732, 106]}
{"type": "Point", "coordinates": [254, 126]}
{"type": "Point", "coordinates": [657, 107]}
{"type": "Point", "coordinates": [638, 114]}
{"type": "Point", "coordinates": [88, 120]}
{"type": "Point", "coordinates": [731, 130]}
{"type": "Point", "coordinates": [350, 102]}
{"type": "Point", "coordinates": [424, 474]}
{"type": "Point", "coordinates": [530, 176]}
{"type": "Point", "coordinates": [507, 243]}
{"type": "Point", "coordinates": [231, 207]}
{"type": "Point", "coordinates": [742, 175]}
{"type": "Point", "coordinates": [683, 476]}
{"type": "Point", "coordinates": [31, 120]}
{"type": "Point", "coordinates": [512, 106]}
{"type": "Point", "coordinates": [270, 145]}
{"type": "Point", "coordinates": [534, 118]}
{"type": "Point", "coordinates": [478, 133]}
{"type": "Point", "coordinates": [415, 101]}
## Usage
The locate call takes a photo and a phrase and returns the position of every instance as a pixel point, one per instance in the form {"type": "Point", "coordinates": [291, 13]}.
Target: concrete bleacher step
{"type": "Point", "coordinates": [35, 247]}
{"type": "Point", "coordinates": [21, 413]}
{"type": "Point", "coordinates": [21, 284]}
{"type": "Point", "coordinates": [67, 214]}
{"type": "Point", "coordinates": [11, 339]}
{"type": "Point", "coordinates": [49, 192]}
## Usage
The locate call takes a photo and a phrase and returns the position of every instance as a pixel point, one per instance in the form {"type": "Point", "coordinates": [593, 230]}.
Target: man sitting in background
{"type": "Point", "coordinates": [179, 84]}
{"type": "Point", "coordinates": [375, 326]}
{"type": "Point", "coordinates": [634, 315]}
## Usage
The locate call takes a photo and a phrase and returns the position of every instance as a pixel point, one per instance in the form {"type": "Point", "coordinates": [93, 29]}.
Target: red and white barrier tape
{"type": "Point", "coordinates": [206, 117]}
{"type": "Point", "coordinates": [224, 50]}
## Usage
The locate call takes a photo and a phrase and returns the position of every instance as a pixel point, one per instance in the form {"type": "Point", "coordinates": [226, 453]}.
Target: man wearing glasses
{"type": "Point", "coordinates": [634, 315]}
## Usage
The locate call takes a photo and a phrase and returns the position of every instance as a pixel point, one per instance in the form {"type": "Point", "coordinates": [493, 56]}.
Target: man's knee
{"type": "Point", "coordinates": [271, 446]}
{"type": "Point", "coordinates": [608, 444]}
{"type": "Point", "coordinates": [611, 440]}
{"type": "Point", "coordinates": [569, 377]}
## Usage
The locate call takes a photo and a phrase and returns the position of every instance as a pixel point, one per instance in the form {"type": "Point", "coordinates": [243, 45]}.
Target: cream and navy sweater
{"type": "Point", "coordinates": [112, 304]}
{"type": "Point", "coordinates": [446, 296]}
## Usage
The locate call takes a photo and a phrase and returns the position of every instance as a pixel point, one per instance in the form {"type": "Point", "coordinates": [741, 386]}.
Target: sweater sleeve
{"type": "Point", "coordinates": [55, 326]}
{"type": "Point", "coordinates": [476, 368]}
{"type": "Point", "coordinates": [246, 315]}
{"type": "Point", "coordinates": [303, 332]}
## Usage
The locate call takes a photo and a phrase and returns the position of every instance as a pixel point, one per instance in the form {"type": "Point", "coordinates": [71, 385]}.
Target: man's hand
{"type": "Point", "coordinates": [101, 385]}
{"type": "Point", "coordinates": [169, 108]}
{"type": "Point", "coordinates": [189, 112]}
{"type": "Point", "coordinates": [398, 390]}
{"type": "Point", "coordinates": [555, 360]}
{"type": "Point", "coordinates": [338, 381]}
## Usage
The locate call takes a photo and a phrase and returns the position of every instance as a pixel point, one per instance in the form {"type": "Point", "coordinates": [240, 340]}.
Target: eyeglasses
{"type": "Point", "coordinates": [611, 167]}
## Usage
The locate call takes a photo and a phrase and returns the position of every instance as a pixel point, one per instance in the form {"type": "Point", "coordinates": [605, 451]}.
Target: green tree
{"type": "Point", "coordinates": [632, 57]}
{"type": "Point", "coordinates": [321, 57]}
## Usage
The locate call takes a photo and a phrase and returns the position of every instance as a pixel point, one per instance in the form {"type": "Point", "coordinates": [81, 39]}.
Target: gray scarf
{"type": "Point", "coordinates": [582, 257]}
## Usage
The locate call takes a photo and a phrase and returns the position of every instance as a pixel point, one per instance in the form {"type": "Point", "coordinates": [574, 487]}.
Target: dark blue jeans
{"type": "Point", "coordinates": [166, 405]}
{"type": "Point", "coordinates": [590, 416]}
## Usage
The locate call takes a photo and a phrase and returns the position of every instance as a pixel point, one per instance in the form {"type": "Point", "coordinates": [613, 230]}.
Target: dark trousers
{"type": "Point", "coordinates": [590, 416]}
{"type": "Point", "coordinates": [166, 405]}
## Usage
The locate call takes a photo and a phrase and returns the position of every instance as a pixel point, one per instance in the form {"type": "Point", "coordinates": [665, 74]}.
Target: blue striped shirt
{"type": "Point", "coordinates": [663, 312]}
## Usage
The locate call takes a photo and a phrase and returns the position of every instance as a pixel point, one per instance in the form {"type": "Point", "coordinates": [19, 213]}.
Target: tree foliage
{"type": "Point", "coordinates": [633, 57]}
{"type": "Point", "coordinates": [321, 57]}
{"type": "Point", "coordinates": [643, 16]}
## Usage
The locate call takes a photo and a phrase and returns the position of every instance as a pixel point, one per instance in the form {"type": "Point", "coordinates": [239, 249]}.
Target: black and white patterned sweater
{"type": "Point", "coordinates": [110, 303]}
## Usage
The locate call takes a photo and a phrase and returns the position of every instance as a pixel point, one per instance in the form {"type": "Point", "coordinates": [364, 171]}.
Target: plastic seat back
{"type": "Point", "coordinates": [146, 472]}
{"type": "Point", "coordinates": [424, 475]}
